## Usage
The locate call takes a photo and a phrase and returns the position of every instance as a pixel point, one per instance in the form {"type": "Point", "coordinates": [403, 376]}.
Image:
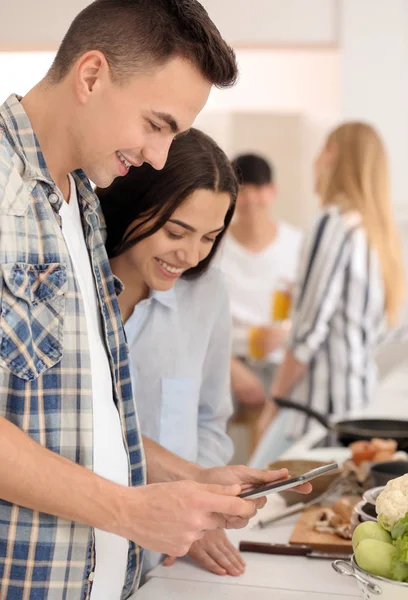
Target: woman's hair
{"type": "Point", "coordinates": [359, 180]}
{"type": "Point", "coordinates": [146, 198]}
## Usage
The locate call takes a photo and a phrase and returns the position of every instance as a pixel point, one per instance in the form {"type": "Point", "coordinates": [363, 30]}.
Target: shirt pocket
{"type": "Point", "coordinates": [179, 416]}
{"type": "Point", "coordinates": [32, 306]}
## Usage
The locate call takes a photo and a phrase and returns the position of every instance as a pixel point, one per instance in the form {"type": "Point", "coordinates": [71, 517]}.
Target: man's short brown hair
{"type": "Point", "coordinates": [135, 35]}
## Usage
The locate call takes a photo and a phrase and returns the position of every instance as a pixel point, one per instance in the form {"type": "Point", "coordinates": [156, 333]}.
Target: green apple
{"type": "Point", "coordinates": [372, 531]}
{"type": "Point", "coordinates": [376, 557]}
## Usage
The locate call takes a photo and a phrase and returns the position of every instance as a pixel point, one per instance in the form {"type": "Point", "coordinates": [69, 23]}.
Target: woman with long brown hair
{"type": "Point", "coordinates": [350, 284]}
{"type": "Point", "coordinates": [163, 231]}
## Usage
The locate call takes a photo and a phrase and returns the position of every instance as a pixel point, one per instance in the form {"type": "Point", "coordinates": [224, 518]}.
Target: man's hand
{"type": "Point", "coordinates": [245, 385]}
{"type": "Point", "coordinates": [246, 478]}
{"type": "Point", "coordinates": [170, 517]}
{"type": "Point", "coordinates": [275, 336]}
{"type": "Point", "coordinates": [215, 553]}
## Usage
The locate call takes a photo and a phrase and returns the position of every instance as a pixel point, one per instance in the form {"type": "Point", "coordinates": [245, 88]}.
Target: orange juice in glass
{"type": "Point", "coordinates": [256, 343]}
{"type": "Point", "coordinates": [281, 302]}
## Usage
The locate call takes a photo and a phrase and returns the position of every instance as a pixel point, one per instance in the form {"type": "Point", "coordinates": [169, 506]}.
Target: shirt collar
{"type": "Point", "coordinates": [166, 298]}
{"type": "Point", "coordinates": [26, 145]}
{"type": "Point", "coordinates": [25, 142]}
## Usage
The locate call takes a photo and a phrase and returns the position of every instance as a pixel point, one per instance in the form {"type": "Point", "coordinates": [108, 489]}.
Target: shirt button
{"type": "Point", "coordinates": [91, 576]}
{"type": "Point", "coordinates": [53, 198]}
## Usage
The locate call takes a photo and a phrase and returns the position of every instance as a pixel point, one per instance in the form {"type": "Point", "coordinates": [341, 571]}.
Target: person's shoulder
{"type": "Point", "coordinates": [7, 152]}
{"type": "Point", "coordinates": [230, 245]}
{"type": "Point", "coordinates": [213, 278]}
{"type": "Point", "coordinates": [13, 192]}
{"type": "Point", "coordinates": [290, 232]}
{"type": "Point", "coordinates": [230, 253]}
{"type": "Point", "coordinates": [208, 290]}
{"type": "Point", "coordinates": [338, 218]}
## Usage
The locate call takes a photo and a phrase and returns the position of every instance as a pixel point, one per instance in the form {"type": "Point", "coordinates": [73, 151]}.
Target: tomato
{"type": "Point", "coordinates": [362, 451]}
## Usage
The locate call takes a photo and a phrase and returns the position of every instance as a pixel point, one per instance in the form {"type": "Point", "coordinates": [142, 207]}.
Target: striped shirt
{"type": "Point", "coordinates": [45, 371]}
{"type": "Point", "coordinates": [338, 316]}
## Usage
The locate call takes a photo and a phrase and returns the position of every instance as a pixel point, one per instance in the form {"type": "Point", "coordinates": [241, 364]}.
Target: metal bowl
{"type": "Point", "coordinates": [365, 511]}
{"type": "Point", "coordinates": [372, 586]}
{"type": "Point", "coordinates": [370, 496]}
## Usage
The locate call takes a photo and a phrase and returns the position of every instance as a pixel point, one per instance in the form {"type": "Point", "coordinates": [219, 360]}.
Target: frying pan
{"type": "Point", "coordinates": [355, 429]}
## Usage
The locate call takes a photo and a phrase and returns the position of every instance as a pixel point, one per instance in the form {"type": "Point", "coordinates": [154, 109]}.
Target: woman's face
{"type": "Point", "coordinates": [185, 240]}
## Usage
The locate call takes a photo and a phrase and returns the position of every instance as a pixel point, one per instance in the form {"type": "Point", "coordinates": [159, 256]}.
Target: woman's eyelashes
{"type": "Point", "coordinates": [178, 236]}
{"type": "Point", "coordinates": [174, 236]}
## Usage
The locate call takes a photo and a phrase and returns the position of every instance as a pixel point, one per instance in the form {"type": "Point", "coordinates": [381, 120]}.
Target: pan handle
{"type": "Point", "coordinates": [286, 403]}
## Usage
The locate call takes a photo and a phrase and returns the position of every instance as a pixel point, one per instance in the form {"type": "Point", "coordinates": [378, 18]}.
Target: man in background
{"type": "Point", "coordinates": [260, 254]}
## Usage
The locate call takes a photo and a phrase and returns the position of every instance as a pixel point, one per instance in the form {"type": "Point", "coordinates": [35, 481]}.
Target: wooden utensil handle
{"type": "Point", "coordinates": [285, 549]}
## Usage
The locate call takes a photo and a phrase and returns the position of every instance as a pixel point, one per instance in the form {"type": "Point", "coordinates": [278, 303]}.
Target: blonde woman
{"type": "Point", "coordinates": [350, 284]}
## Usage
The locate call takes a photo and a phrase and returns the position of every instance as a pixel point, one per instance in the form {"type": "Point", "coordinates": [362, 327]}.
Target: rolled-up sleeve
{"type": "Point", "coordinates": [320, 283]}
{"type": "Point", "coordinates": [215, 447]}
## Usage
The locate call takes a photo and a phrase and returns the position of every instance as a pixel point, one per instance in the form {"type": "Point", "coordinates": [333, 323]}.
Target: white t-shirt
{"type": "Point", "coordinates": [109, 454]}
{"type": "Point", "coordinates": [252, 278]}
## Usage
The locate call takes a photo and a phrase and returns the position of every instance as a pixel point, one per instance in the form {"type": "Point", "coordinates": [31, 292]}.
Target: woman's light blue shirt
{"type": "Point", "coordinates": [180, 348]}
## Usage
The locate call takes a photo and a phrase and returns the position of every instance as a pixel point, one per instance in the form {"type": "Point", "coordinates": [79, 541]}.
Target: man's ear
{"type": "Point", "coordinates": [91, 69]}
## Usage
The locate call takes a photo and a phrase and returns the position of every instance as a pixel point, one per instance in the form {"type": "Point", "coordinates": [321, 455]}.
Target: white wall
{"type": "Point", "coordinates": [374, 87]}
{"type": "Point", "coordinates": [282, 107]}
{"type": "Point", "coordinates": [374, 78]}
{"type": "Point", "coordinates": [20, 71]}
{"type": "Point", "coordinates": [36, 24]}
{"type": "Point", "coordinates": [276, 22]}
{"type": "Point", "coordinates": [306, 81]}
{"type": "Point", "coordinates": [293, 22]}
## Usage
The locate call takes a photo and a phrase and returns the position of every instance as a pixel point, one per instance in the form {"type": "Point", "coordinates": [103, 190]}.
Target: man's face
{"type": "Point", "coordinates": [123, 124]}
{"type": "Point", "coordinates": [254, 198]}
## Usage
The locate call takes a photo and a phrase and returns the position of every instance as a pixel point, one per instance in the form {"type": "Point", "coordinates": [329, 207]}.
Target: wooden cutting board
{"type": "Point", "coordinates": [324, 542]}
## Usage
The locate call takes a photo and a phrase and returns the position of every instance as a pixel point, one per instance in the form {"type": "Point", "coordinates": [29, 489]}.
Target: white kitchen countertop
{"type": "Point", "coordinates": [267, 571]}
{"type": "Point", "coordinates": [288, 576]}
{"type": "Point", "coordinates": [167, 589]}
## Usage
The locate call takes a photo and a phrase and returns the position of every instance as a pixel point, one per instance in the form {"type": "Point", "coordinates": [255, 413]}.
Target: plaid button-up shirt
{"type": "Point", "coordinates": [45, 373]}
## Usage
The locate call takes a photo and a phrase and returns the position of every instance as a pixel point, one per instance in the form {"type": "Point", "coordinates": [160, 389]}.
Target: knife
{"type": "Point", "coordinates": [289, 550]}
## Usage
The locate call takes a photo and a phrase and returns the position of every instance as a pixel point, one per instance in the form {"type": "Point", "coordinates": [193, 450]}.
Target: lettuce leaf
{"type": "Point", "coordinates": [399, 570]}
{"type": "Point", "coordinates": [400, 528]}
{"type": "Point", "coordinates": [401, 547]}
{"type": "Point", "coordinates": [399, 534]}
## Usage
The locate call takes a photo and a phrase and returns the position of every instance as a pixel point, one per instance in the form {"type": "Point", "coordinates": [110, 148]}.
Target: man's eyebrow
{"type": "Point", "coordinates": [189, 228]}
{"type": "Point", "coordinates": [169, 119]}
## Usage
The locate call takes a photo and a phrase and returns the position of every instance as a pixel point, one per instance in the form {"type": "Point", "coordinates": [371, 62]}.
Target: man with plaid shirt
{"type": "Point", "coordinates": [129, 75]}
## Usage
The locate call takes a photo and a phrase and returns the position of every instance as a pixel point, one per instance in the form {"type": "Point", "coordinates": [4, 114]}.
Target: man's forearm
{"type": "Point", "coordinates": [34, 477]}
{"type": "Point", "coordinates": [163, 465]}
{"type": "Point", "coordinates": [289, 373]}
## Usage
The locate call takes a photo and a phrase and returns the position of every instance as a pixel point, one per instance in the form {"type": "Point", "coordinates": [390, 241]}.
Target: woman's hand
{"type": "Point", "coordinates": [215, 553]}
